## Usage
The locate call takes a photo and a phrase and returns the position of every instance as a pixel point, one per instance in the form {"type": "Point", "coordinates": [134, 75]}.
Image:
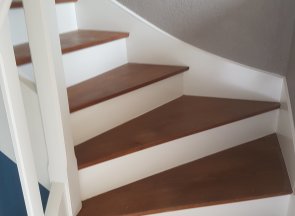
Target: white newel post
{"type": "Point", "coordinates": [46, 55]}
{"type": "Point", "coordinates": [10, 86]}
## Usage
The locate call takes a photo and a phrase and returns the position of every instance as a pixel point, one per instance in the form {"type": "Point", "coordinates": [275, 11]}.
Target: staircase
{"type": "Point", "coordinates": [144, 147]}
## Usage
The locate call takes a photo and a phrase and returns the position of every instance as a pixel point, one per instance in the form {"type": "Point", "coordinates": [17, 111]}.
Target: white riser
{"type": "Point", "coordinates": [276, 206]}
{"type": "Point", "coordinates": [66, 17]}
{"type": "Point", "coordinates": [90, 62]}
{"type": "Point", "coordinates": [87, 63]}
{"type": "Point", "coordinates": [111, 113]}
{"type": "Point", "coordinates": [209, 74]}
{"type": "Point", "coordinates": [118, 172]}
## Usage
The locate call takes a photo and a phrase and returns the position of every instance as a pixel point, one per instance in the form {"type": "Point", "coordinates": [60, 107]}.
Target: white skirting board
{"type": "Point", "coordinates": [209, 74]}
{"type": "Point", "coordinates": [291, 209]}
{"type": "Point", "coordinates": [104, 116]}
{"type": "Point", "coordinates": [276, 206]}
{"type": "Point", "coordinates": [286, 133]}
{"type": "Point", "coordinates": [66, 16]}
{"type": "Point", "coordinates": [118, 172]}
{"type": "Point", "coordinates": [286, 136]}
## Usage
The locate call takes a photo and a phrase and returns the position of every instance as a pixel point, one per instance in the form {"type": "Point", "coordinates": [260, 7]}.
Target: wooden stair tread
{"type": "Point", "coordinates": [19, 3]}
{"type": "Point", "coordinates": [117, 82]}
{"type": "Point", "coordinates": [72, 41]}
{"type": "Point", "coordinates": [250, 171]}
{"type": "Point", "coordinates": [182, 117]}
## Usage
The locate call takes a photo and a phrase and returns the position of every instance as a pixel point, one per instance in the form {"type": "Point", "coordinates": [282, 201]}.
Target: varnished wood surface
{"type": "Point", "coordinates": [250, 171]}
{"type": "Point", "coordinates": [72, 41]}
{"type": "Point", "coordinates": [117, 82]}
{"type": "Point", "coordinates": [19, 3]}
{"type": "Point", "coordinates": [182, 117]}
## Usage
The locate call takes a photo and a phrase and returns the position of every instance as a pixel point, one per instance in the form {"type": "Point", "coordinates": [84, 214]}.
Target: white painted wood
{"type": "Point", "coordinates": [286, 133]}
{"type": "Point", "coordinates": [111, 113]}
{"type": "Point", "coordinates": [286, 136]}
{"type": "Point", "coordinates": [36, 131]}
{"type": "Point", "coordinates": [55, 199]}
{"type": "Point", "coordinates": [90, 62]}
{"type": "Point", "coordinates": [18, 26]}
{"type": "Point", "coordinates": [118, 172]}
{"type": "Point", "coordinates": [6, 146]}
{"type": "Point", "coordinates": [48, 70]}
{"type": "Point", "coordinates": [13, 101]}
{"type": "Point", "coordinates": [4, 8]}
{"type": "Point", "coordinates": [27, 72]}
{"type": "Point", "coordinates": [209, 75]}
{"type": "Point", "coordinates": [275, 206]}
{"type": "Point", "coordinates": [291, 209]}
{"type": "Point", "coordinates": [66, 16]}
{"type": "Point", "coordinates": [87, 63]}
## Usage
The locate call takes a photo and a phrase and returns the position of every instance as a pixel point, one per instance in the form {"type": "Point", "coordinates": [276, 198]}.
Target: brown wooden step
{"type": "Point", "coordinates": [72, 41]}
{"type": "Point", "coordinates": [117, 82]}
{"type": "Point", "coordinates": [250, 171]}
{"type": "Point", "coordinates": [182, 117]}
{"type": "Point", "coordinates": [19, 3]}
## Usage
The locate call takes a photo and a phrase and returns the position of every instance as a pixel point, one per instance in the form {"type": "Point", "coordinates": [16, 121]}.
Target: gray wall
{"type": "Point", "coordinates": [291, 74]}
{"type": "Point", "coordinates": [252, 32]}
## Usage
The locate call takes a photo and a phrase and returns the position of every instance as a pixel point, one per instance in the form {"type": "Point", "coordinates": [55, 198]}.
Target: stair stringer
{"type": "Point", "coordinates": [209, 75]}
{"type": "Point", "coordinates": [106, 176]}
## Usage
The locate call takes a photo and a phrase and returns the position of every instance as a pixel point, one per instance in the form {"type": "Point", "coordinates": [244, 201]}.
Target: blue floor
{"type": "Point", "coordinates": [11, 197]}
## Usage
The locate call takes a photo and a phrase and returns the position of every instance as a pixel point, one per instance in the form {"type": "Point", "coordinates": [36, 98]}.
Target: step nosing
{"type": "Point", "coordinates": [109, 80]}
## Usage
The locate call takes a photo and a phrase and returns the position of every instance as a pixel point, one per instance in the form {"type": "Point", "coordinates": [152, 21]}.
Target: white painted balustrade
{"type": "Point", "coordinates": [44, 44]}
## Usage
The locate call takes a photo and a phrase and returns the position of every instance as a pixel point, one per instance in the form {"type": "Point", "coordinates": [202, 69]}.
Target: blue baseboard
{"type": "Point", "coordinates": [11, 197]}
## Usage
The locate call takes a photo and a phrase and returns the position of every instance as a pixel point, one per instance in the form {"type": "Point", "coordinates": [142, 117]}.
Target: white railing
{"type": "Point", "coordinates": [45, 49]}
{"type": "Point", "coordinates": [14, 105]}
{"type": "Point", "coordinates": [55, 199]}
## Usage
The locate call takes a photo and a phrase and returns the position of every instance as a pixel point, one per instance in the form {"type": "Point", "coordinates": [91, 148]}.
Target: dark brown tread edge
{"type": "Point", "coordinates": [19, 4]}
{"type": "Point", "coordinates": [250, 171]}
{"type": "Point", "coordinates": [177, 70]}
{"type": "Point", "coordinates": [81, 165]}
